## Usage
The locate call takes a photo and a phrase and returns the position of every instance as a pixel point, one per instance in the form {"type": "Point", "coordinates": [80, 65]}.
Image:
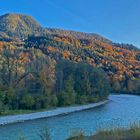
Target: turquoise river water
{"type": "Point", "coordinates": [121, 111]}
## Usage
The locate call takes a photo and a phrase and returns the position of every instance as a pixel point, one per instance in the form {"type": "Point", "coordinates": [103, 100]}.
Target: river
{"type": "Point", "coordinates": [121, 111]}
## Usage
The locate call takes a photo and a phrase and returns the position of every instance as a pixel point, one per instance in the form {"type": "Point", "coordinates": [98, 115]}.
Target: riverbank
{"type": "Point", "coordinates": [46, 114]}
{"type": "Point", "coordinates": [131, 133]}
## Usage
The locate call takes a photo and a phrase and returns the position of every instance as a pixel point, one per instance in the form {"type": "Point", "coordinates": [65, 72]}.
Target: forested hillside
{"type": "Point", "coordinates": [42, 67]}
{"type": "Point", "coordinates": [121, 64]}
{"type": "Point", "coordinates": [32, 80]}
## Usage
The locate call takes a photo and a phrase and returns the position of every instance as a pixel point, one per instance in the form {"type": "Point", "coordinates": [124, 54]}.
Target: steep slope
{"type": "Point", "coordinates": [19, 26]}
{"type": "Point", "coordinates": [79, 35]}
{"type": "Point", "coordinates": [117, 61]}
{"type": "Point", "coordinates": [121, 62]}
{"type": "Point", "coordinates": [90, 36]}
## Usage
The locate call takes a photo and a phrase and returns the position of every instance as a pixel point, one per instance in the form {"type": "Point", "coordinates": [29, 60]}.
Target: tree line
{"type": "Point", "coordinates": [31, 80]}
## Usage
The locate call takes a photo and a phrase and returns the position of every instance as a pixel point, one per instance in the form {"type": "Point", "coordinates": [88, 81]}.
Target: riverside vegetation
{"type": "Point", "coordinates": [132, 133]}
{"type": "Point", "coordinates": [44, 68]}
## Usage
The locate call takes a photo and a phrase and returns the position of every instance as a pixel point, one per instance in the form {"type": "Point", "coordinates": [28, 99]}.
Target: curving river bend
{"type": "Point", "coordinates": [119, 112]}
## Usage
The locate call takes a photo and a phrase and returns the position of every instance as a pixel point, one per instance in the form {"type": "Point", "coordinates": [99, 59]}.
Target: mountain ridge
{"type": "Point", "coordinates": [21, 26]}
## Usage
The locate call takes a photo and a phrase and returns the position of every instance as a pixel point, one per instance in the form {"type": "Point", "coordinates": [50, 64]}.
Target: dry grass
{"type": "Point", "coordinates": [132, 133]}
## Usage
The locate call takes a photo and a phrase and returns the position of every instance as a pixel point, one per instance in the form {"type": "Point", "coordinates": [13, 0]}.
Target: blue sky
{"type": "Point", "coordinates": [118, 20]}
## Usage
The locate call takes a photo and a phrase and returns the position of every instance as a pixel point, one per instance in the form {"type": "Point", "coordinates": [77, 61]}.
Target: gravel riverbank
{"type": "Point", "coordinates": [51, 113]}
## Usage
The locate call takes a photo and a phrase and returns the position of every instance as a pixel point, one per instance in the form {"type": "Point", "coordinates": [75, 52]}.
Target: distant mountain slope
{"type": "Point", "coordinates": [126, 46]}
{"type": "Point", "coordinates": [20, 26]}
{"type": "Point", "coordinates": [92, 37]}
{"type": "Point", "coordinates": [80, 35]}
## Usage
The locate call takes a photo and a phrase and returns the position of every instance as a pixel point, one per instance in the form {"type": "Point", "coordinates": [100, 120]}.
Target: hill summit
{"type": "Point", "coordinates": [19, 25]}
